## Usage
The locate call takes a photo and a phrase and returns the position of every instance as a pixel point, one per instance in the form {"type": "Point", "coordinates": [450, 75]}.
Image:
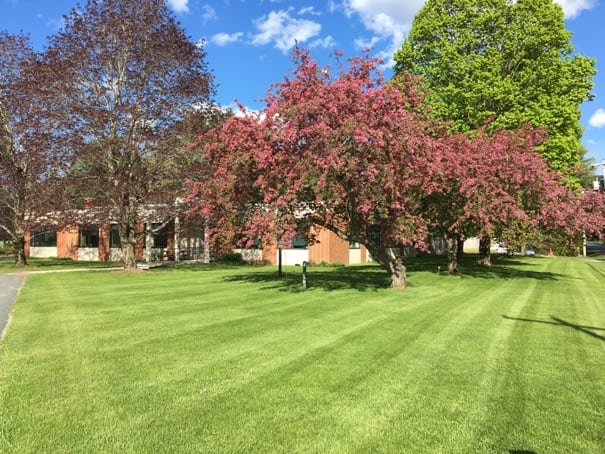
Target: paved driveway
{"type": "Point", "coordinates": [595, 248]}
{"type": "Point", "coordinates": [9, 287]}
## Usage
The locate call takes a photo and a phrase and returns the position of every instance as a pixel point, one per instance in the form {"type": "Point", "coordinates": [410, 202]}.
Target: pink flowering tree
{"type": "Point", "coordinates": [344, 152]}
{"type": "Point", "coordinates": [359, 157]}
{"type": "Point", "coordinates": [498, 185]}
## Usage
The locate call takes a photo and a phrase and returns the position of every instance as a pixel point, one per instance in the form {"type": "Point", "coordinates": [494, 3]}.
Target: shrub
{"type": "Point", "coordinates": [233, 259]}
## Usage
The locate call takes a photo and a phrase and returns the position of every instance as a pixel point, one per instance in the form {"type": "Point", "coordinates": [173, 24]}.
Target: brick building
{"type": "Point", "coordinates": [328, 248]}
{"type": "Point", "coordinates": [101, 242]}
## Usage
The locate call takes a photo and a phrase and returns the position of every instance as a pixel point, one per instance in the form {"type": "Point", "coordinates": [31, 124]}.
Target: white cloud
{"type": "Point", "coordinates": [598, 119]}
{"type": "Point", "coordinates": [309, 10]}
{"type": "Point", "coordinates": [208, 13]}
{"type": "Point", "coordinates": [327, 43]}
{"type": "Point", "coordinates": [384, 17]}
{"type": "Point", "coordinates": [224, 39]}
{"type": "Point", "coordinates": [364, 44]}
{"type": "Point", "coordinates": [179, 6]}
{"type": "Point", "coordinates": [279, 28]}
{"type": "Point", "coordinates": [388, 20]}
{"type": "Point", "coordinates": [571, 8]}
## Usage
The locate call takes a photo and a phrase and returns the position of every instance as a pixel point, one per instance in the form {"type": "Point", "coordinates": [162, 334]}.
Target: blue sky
{"type": "Point", "coordinates": [249, 41]}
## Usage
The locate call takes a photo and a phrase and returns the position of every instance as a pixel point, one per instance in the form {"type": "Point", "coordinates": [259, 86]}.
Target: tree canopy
{"type": "Point", "coordinates": [362, 158]}
{"type": "Point", "coordinates": [498, 185]}
{"type": "Point", "coordinates": [344, 152]}
{"type": "Point", "coordinates": [502, 62]}
{"type": "Point", "coordinates": [31, 161]}
{"type": "Point", "coordinates": [124, 74]}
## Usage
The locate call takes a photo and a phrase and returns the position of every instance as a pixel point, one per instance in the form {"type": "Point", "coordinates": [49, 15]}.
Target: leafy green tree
{"type": "Point", "coordinates": [504, 63]}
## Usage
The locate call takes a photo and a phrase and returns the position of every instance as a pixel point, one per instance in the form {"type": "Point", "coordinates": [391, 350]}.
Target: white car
{"type": "Point", "coordinates": [499, 249]}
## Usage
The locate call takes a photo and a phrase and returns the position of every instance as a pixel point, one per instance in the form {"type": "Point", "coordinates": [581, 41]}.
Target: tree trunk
{"type": "Point", "coordinates": [177, 239]}
{"type": "Point", "coordinates": [452, 254]}
{"type": "Point", "coordinates": [398, 274]}
{"type": "Point", "coordinates": [19, 251]}
{"type": "Point", "coordinates": [129, 258]}
{"type": "Point", "coordinates": [393, 264]}
{"type": "Point", "coordinates": [148, 242]}
{"type": "Point", "coordinates": [129, 241]}
{"type": "Point", "coordinates": [484, 254]}
{"type": "Point", "coordinates": [206, 241]}
{"type": "Point", "coordinates": [460, 251]}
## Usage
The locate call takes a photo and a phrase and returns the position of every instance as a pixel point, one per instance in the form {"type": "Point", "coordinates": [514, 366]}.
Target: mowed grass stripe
{"type": "Point", "coordinates": [538, 402]}
{"type": "Point", "coordinates": [236, 360]}
{"type": "Point", "coordinates": [324, 394]}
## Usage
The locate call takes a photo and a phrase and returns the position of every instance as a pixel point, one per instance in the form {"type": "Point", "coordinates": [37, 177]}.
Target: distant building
{"type": "Point", "coordinates": [101, 242]}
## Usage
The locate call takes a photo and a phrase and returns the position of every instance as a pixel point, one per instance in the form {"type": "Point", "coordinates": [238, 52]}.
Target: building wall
{"type": "Point", "coordinates": [104, 251]}
{"type": "Point", "coordinates": [250, 255]}
{"type": "Point", "coordinates": [88, 254]}
{"type": "Point", "coordinates": [471, 245]}
{"type": "Point", "coordinates": [67, 243]}
{"type": "Point", "coordinates": [68, 238]}
{"type": "Point", "coordinates": [115, 254]}
{"type": "Point", "coordinates": [329, 248]}
{"type": "Point", "coordinates": [39, 251]}
{"type": "Point", "coordinates": [359, 255]}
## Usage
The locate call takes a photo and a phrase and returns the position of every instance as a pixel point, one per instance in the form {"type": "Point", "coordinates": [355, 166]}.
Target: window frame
{"type": "Point", "coordinates": [88, 237]}
{"type": "Point", "coordinates": [35, 238]}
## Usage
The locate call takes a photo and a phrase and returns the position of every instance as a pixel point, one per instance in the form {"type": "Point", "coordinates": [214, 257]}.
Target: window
{"type": "Point", "coordinates": [114, 237]}
{"type": "Point", "coordinates": [354, 245]}
{"type": "Point", "coordinates": [44, 239]}
{"type": "Point", "coordinates": [299, 243]}
{"type": "Point", "coordinates": [160, 238]}
{"type": "Point", "coordinates": [89, 237]}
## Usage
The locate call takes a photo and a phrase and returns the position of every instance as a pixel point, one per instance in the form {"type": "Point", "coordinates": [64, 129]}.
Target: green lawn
{"type": "Point", "coordinates": [7, 264]}
{"type": "Point", "coordinates": [211, 359]}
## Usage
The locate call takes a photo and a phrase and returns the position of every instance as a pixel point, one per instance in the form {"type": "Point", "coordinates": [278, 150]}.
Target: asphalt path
{"type": "Point", "coordinates": [595, 248]}
{"type": "Point", "coordinates": [9, 287]}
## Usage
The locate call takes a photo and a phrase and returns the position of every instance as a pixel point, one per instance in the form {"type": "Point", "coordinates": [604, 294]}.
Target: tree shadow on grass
{"type": "Point", "coordinates": [556, 321]}
{"type": "Point", "coordinates": [372, 277]}
{"type": "Point", "coordinates": [502, 267]}
{"type": "Point", "coordinates": [196, 267]}
{"type": "Point", "coordinates": [363, 278]}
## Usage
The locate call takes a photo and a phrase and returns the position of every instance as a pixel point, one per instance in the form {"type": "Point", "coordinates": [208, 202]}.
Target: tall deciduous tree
{"type": "Point", "coordinates": [343, 152]}
{"type": "Point", "coordinates": [30, 164]}
{"type": "Point", "coordinates": [125, 73]}
{"type": "Point", "coordinates": [508, 62]}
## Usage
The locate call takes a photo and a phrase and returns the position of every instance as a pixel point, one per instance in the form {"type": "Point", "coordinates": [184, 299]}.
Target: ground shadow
{"type": "Point", "coordinates": [589, 330]}
{"type": "Point", "coordinates": [372, 277]}
{"type": "Point", "coordinates": [503, 267]}
{"type": "Point", "coordinates": [360, 277]}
